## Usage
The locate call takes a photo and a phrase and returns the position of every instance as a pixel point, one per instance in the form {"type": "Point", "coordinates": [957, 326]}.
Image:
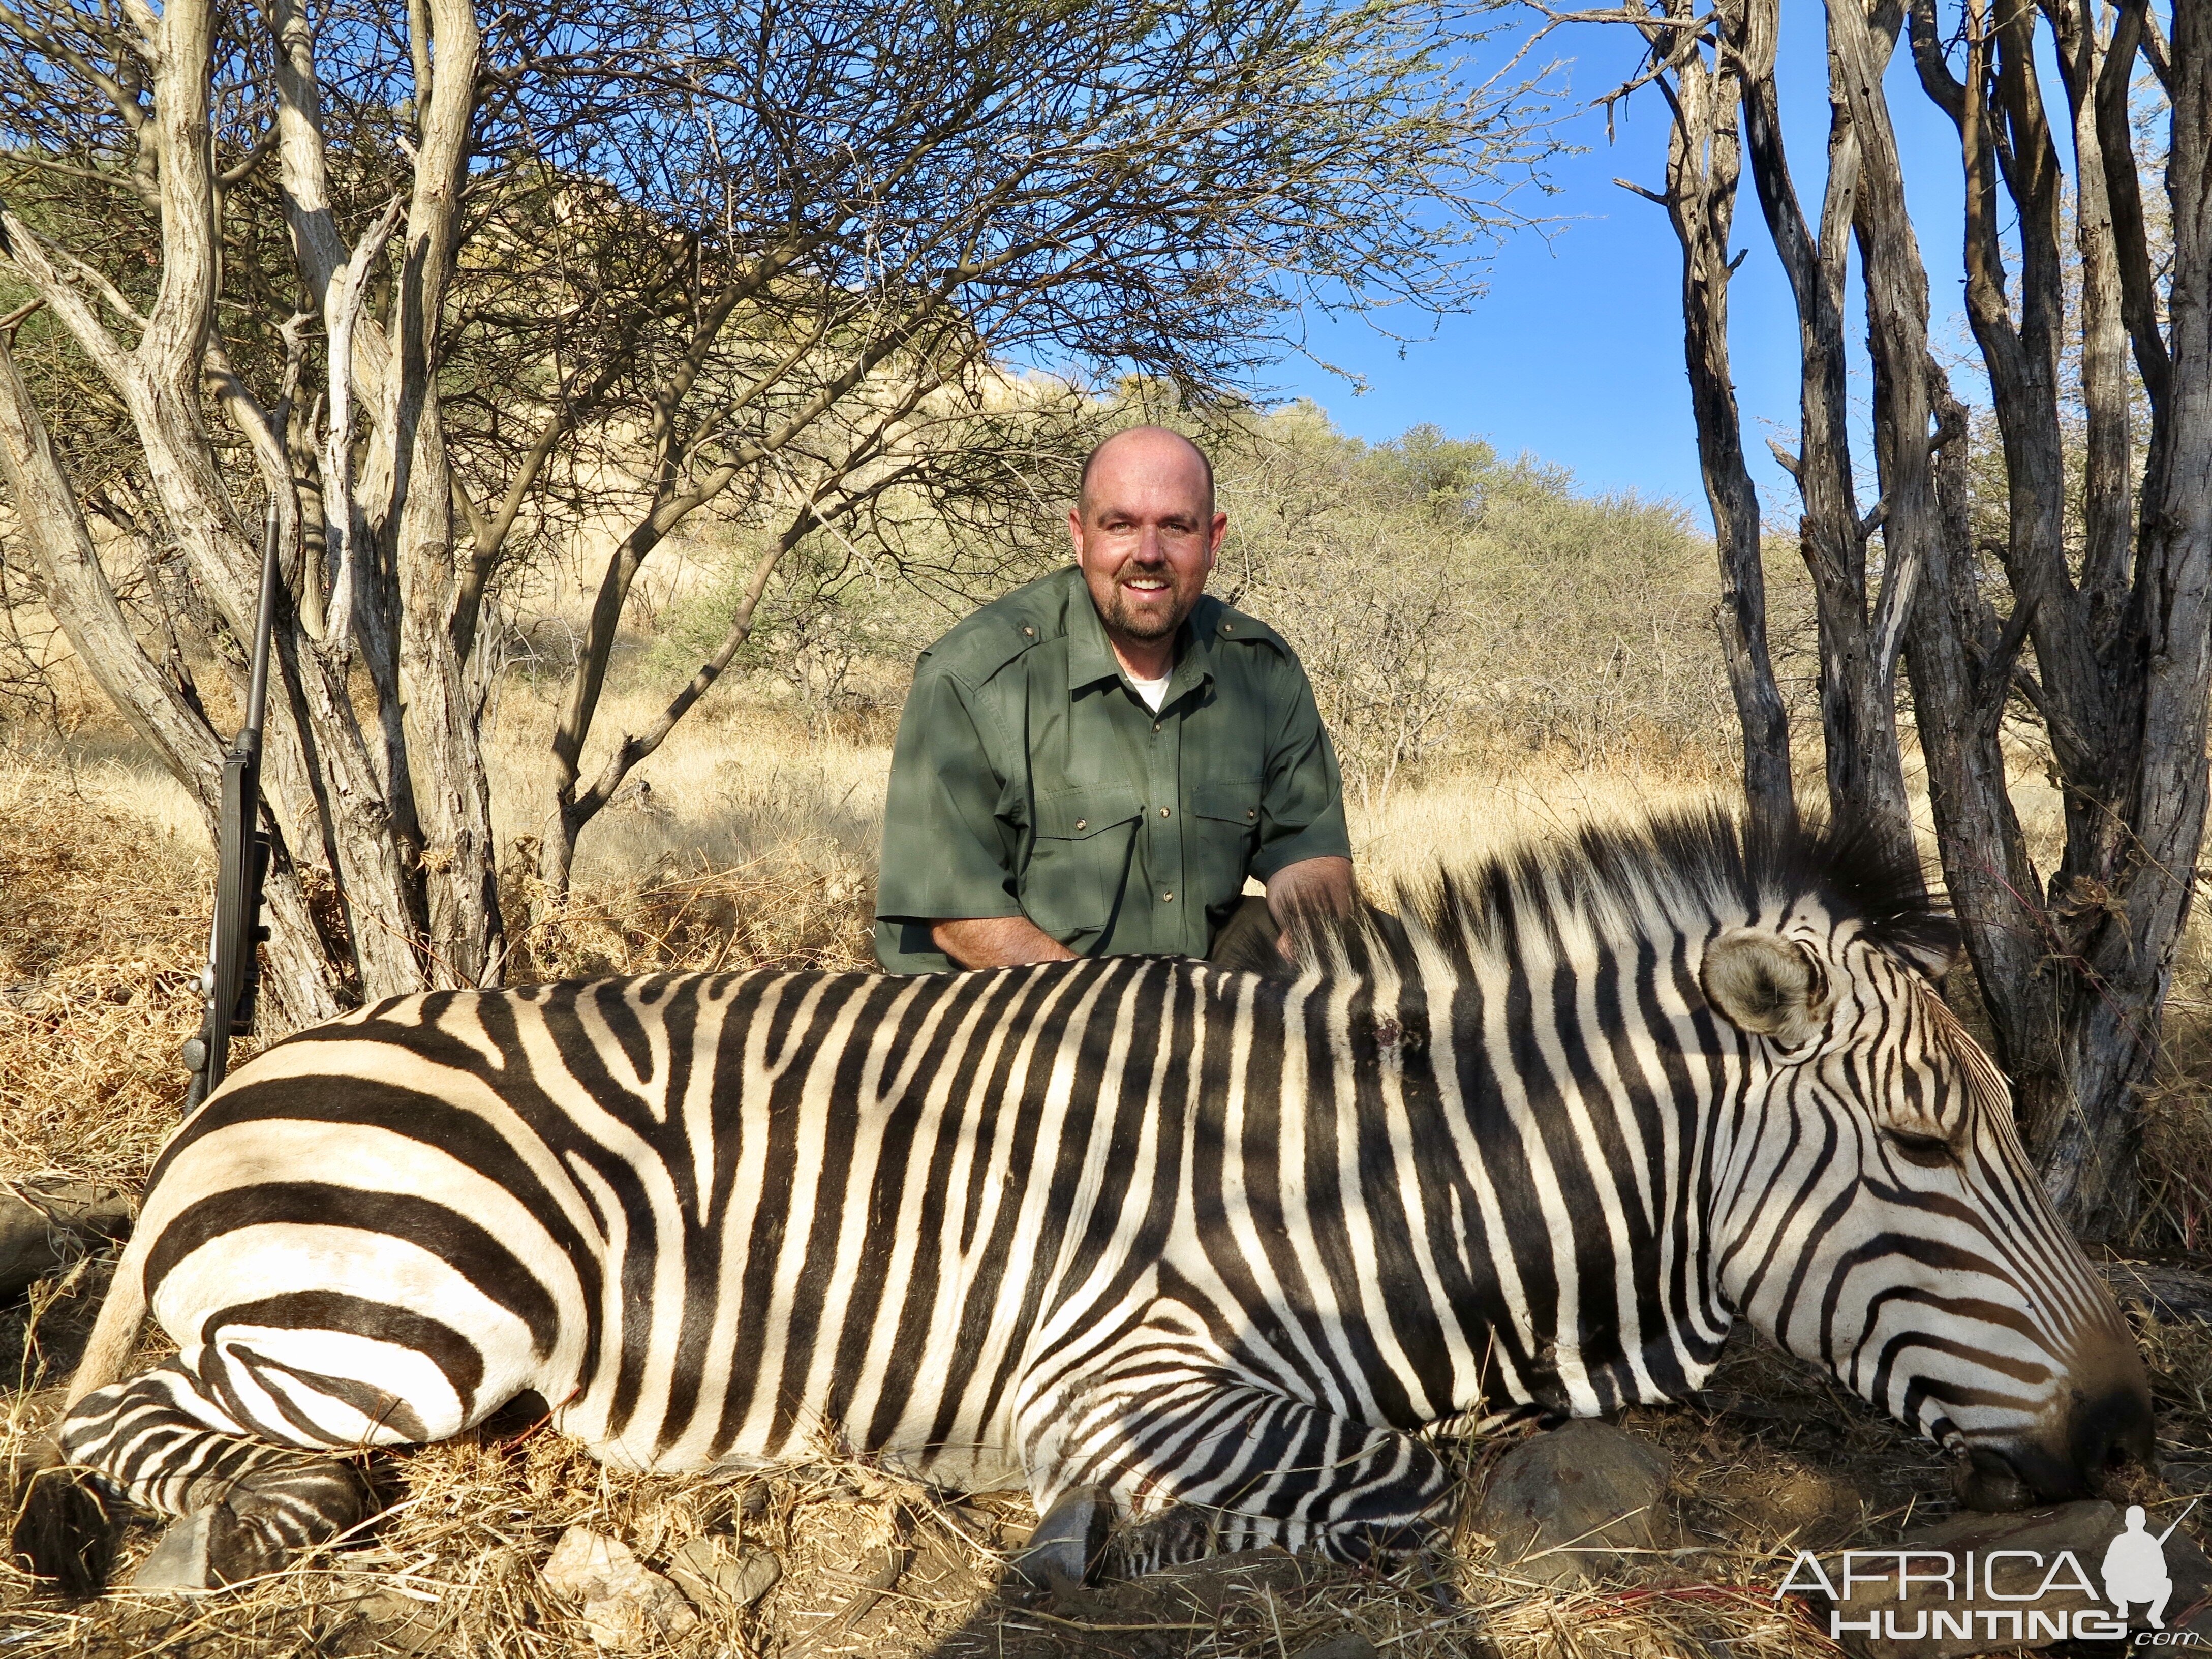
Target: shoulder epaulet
{"type": "Point", "coordinates": [1232, 626]}
{"type": "Point", "coordinates": [986, 641]}
{"type": "Point", "coordinates": [978, 648]}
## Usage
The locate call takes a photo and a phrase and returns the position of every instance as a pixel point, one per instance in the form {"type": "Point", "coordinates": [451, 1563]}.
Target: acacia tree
{"type": "Point", "coordinates": [2087, 614]}
{"type": "Point", "coordinates": [431, 288]}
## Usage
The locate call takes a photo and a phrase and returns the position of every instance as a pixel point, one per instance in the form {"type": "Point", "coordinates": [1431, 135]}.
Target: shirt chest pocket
{"type": "Point", "coordinates": [1078, 859]}
{"type": "Point", "coordinates": [1225, 834]}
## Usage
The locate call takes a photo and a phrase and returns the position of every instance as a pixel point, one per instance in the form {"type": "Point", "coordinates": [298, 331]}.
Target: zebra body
{"type": "Point", "coordinates": [1224, 1246]}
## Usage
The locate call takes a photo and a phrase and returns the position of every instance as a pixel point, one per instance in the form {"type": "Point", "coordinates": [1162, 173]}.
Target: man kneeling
{"type": "Point", "coordinates": [1094, 764]}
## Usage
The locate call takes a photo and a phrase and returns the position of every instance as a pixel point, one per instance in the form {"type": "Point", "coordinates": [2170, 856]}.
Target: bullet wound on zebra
{"type": "Point", "coordinates": [1159, 1241]}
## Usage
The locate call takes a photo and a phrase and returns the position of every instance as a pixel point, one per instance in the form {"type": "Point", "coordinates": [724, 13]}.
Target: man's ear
{"type": "Point", "coordinates": [1763, 983]}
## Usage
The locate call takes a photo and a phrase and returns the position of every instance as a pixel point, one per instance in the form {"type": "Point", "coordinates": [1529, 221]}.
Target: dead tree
{"type": "Point", "coordinates": [2087, 617]}
{"type": "Point", "coordinates": [2109, 595]}
{"type": "Point", "coordinates": [424, 281]}
{"type": "Point", "coordinates": [1704, 163]}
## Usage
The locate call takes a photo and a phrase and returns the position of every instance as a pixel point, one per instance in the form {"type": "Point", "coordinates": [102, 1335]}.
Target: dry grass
{"type": "Point", "coordinates": [754, 845]}
{"type": "Point", "coordinates": [103, 925]}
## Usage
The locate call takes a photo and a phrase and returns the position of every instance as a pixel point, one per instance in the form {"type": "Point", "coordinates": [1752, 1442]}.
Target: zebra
{"type": "Point", "coordinates": [1206, 1255]}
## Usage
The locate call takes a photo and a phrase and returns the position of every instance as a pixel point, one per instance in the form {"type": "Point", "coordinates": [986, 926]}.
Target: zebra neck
{"type": "Point", "coordinates": [1532, 1142]}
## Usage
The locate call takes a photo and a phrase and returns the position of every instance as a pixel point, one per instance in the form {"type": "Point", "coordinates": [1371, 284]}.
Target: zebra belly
{"type": "Point", "coordinates": [967, 1455]}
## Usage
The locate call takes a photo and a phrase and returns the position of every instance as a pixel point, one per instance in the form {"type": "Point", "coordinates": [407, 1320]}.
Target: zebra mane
{"type": "Point", "coordinates": [1615, 880]}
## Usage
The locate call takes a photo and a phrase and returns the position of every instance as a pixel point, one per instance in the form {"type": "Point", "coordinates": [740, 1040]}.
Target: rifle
{"type": "Point", "coordinates": [231, 980]}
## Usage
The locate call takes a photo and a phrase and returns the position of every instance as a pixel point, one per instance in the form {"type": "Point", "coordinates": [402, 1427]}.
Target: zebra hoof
{"type": "Point", "coordinates": [1068, 1541]}
{"type": "Point", "coordinates": [206, 1550]}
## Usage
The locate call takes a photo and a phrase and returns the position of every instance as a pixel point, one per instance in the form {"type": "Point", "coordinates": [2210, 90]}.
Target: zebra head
{"type": "Point", "coordinates": [1875, 1212]}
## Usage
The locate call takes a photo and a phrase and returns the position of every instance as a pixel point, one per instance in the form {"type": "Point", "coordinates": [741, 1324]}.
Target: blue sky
{"type": "Point", "coordinates": [1576, 354]}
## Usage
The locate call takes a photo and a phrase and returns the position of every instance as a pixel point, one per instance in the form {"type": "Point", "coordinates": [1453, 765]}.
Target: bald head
{"type": "Point", "coordinates": [1154, 450]}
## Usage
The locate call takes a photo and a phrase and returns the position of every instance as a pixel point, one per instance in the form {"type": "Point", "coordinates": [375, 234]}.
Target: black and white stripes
{"type": "Point", "coordinates": [1221, 1244]}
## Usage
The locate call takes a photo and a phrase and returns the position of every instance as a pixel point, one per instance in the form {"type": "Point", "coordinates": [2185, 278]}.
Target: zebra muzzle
{"type": "Point", "coordinates": [2101, 1430]}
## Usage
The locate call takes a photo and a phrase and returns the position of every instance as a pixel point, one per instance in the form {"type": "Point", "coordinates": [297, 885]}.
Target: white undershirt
{"type": "Point", "coordinates": [1154, 692]}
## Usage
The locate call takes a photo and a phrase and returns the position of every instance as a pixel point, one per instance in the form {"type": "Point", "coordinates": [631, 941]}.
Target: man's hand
{"type": "Point", "coordinates": [1311, 886]}
{"type": "Point", "coordinates": [1006, 941]}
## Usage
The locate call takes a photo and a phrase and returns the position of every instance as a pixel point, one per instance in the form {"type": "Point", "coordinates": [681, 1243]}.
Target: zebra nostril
{"type": "Point", "coordinates": [2113, 1428]}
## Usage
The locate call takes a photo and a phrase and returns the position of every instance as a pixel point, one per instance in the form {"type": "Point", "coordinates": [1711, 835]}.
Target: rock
{"type": "Point", "coordinates": [2185, 1469]}
{"type": "Point", "coordinates": [713, 1575]}
{"type": "Point", "coordinates": [1345, 1645]}
{"type": "Point", "coordinates": [1808, 1503]}
{"type": "Point", "coordinates": [44, 1229]}
{"type": "Point", "coordinates": [1563, 1506]}
{"type": "Point", "coordinates": [1983, 1584]}
{"type": "Point", "coordinates": [386, 1622]}
{"type": "Point", "coordinates": [627, 1607]}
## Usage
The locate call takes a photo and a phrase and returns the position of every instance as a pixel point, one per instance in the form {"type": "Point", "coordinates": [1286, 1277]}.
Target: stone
{"type": "Point", "coordinates": [627, 1607]}
{"type": "Point", "coordinates": [1984, 1583]}
{"type": "Point", "coordinates": [1568, 1505]}
{"type": "Point", "coordinates": [385, 1622]}
{"type": "Point", "coordinates": [714, 1575]}
{"type": "Point", "coordinates": [44, 1229]}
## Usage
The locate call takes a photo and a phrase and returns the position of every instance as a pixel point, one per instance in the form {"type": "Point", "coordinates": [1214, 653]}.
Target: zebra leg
{"type": "Point", "coordinates": [247, 1505]}
{"type": "Point", "coordinates": [1210, 1465]}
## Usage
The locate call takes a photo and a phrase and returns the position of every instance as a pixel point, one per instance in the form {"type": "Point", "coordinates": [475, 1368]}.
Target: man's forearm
{"type": "Point", "coordinates": [1322, 886]}
{"type": "Point", "coordinates": [997, 941]}
{"type": "Point", "coordinates": [1319, 887]}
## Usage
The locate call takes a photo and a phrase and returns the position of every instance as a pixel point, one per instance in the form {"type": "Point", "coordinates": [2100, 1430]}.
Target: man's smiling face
{"type": "Point", "coordinates": [1146, 533]}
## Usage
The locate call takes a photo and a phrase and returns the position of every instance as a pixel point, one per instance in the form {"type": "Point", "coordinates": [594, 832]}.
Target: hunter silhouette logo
{"type": "Point", "coordinates": [2135, 1566]}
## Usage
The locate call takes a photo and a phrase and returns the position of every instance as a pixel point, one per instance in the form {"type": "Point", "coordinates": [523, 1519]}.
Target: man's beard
{"type": "Point", "coordinates": [1147, 625]}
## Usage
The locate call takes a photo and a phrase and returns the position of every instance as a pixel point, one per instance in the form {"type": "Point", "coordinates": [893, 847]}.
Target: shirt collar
{"type": "Point", "coordinates": [1090, 653]}
{"type": "Point", "coordinates": [1091, 656]}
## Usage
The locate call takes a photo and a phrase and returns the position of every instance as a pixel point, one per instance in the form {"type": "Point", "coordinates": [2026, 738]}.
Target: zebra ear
{"type": "Point", "coordinates": [1766, 984]}
{"type": "Point", "coordinates": [1933, 952]}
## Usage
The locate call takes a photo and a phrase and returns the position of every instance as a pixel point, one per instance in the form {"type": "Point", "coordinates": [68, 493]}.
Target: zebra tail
{"type": "Point", "coordinates": [62, 1528]}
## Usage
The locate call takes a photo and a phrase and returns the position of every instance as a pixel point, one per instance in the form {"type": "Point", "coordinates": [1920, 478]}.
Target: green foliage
{"type": "Point", "coordinates": [1452, 605]}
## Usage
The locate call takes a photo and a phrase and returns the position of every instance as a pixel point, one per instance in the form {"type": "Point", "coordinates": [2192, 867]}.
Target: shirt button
{"type": "Point", "coordinates": [1027, 629]}
{"type": "Point", "coordinates": [1167, 899]}
{"type": "Point", "coordinates": [1164, 811]}
{"type": "Point", "coordinates": [1155, 725]}
{"type": "Point", "coordinates": [1083, 823]}
{"type": "Point", "coordinates": [1251, 812]}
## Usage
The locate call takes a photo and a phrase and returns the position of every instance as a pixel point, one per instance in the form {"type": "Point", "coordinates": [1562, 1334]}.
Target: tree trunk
{"type": "Point", "coordinates": [1859, 51]}
{"type": "Point", "coordinates": [2076, 972]}
{"type": "Point", "coordinates": [1704, 164]}
{"type": "Point", "coordinates": [76, 591]}
{"type": "Point", "coordinates": [1858, 699]}
{"type": "Point", "coordinates": [452, 794]}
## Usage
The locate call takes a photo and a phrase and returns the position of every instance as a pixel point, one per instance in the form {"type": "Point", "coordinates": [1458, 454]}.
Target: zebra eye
{"type": "Point", "coordinates": [1928, 1152]}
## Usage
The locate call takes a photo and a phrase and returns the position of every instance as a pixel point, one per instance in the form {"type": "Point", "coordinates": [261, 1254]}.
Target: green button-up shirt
{"type": "Point", "coordinates": [1029, 779]}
